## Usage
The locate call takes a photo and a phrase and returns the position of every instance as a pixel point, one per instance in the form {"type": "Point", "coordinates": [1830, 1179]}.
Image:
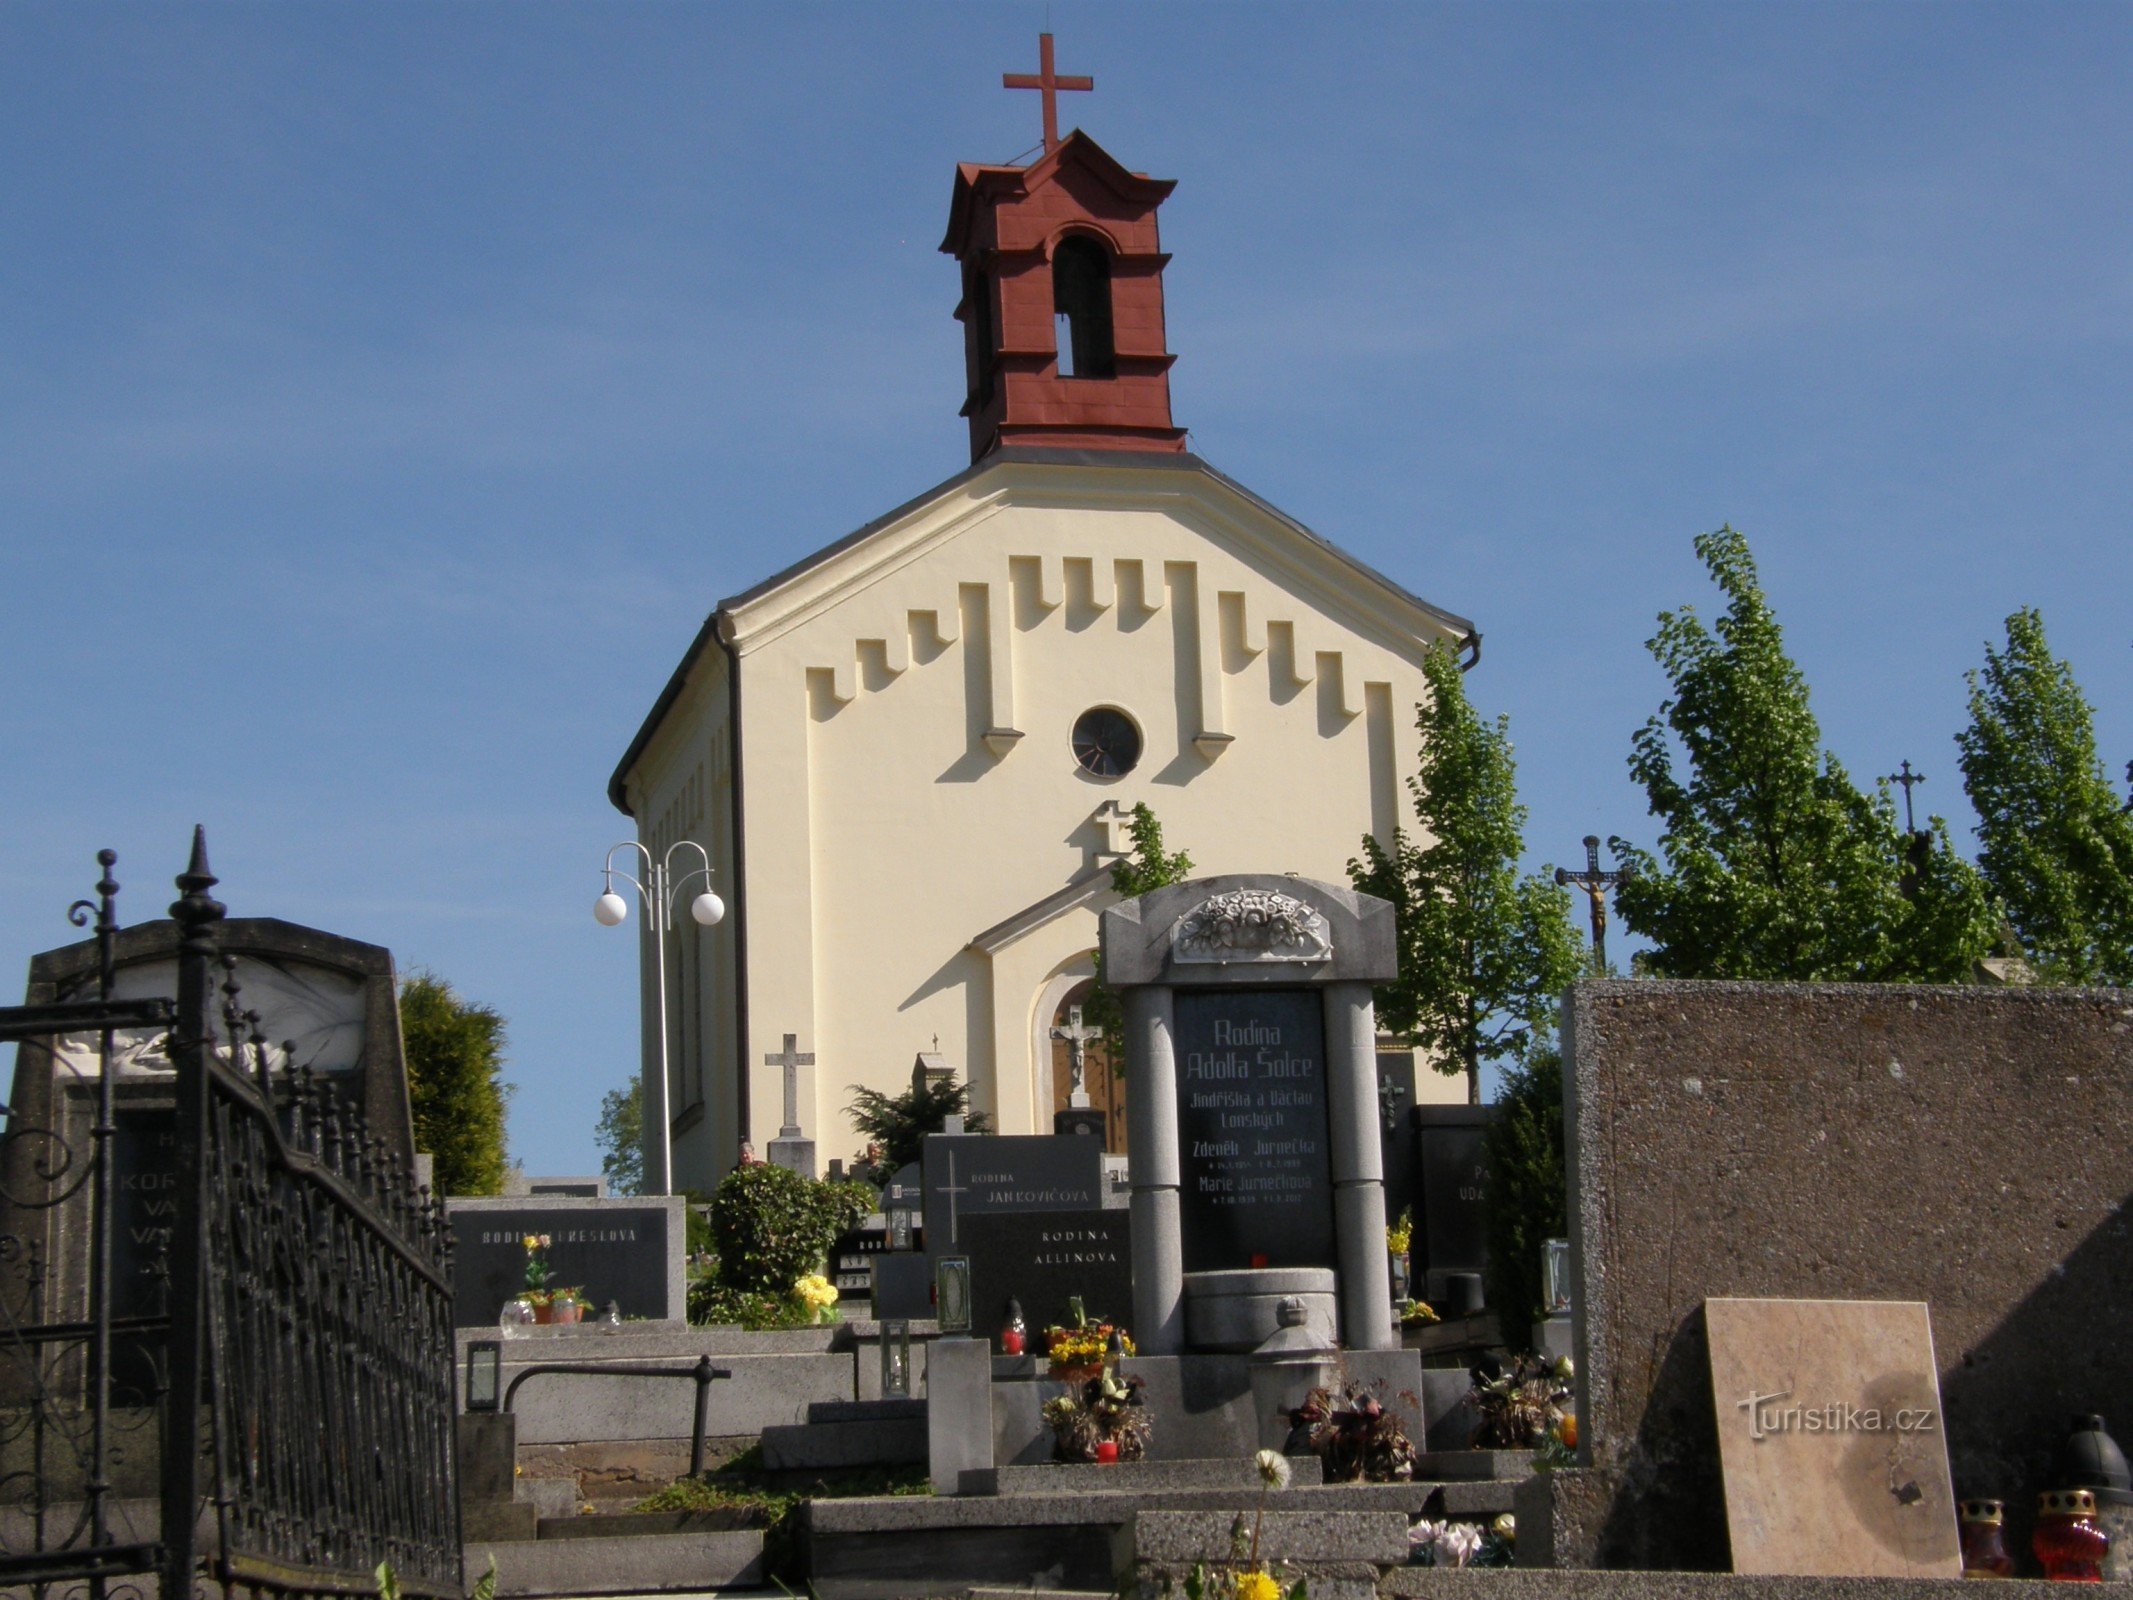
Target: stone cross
{"type": "Point", "coordinates": [1595, 883]}
{"type": "Point", "coordinates": [792, 1060]}
{"type": "Point", "coordinates": [1049, 83]}
{"type": "Point", "coordinates": [1078, 1036]}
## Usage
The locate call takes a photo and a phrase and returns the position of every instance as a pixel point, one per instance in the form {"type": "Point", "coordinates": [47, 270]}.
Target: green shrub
{"type": "Point", "coordinates": [712, 1302]}
{"type": "Point", "coordinates": [772, 1227]}
{"type": "Point", "coordinates": [1523, 1151]}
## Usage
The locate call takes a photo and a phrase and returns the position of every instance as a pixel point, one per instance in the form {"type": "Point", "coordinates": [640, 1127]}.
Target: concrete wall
{"type": "Point", "coordinates": [1967, 1147]}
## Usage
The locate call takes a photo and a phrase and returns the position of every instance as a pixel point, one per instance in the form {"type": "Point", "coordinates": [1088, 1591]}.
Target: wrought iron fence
{"type": "Point", "coordinates": [297, 1381]}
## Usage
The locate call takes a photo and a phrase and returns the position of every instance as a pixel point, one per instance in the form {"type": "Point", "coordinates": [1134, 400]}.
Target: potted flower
{"type": "Point", "coordinates": [1102, 1420]}
{"type": "Point", "coordinates": [534, 1294]}
{"type": "Point", "coordinates": [1077, 1354]}
{"type": "Point", "coordinates": [1399, 1238]}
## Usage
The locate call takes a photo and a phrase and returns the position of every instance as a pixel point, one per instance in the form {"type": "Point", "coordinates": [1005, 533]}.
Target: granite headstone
{"type": "Point", "coordinates": [1257, 1188]}
{"type": "Point", "coordinates": [628, 1251]}
{"type": "Point", "coordinates": [1043, 1259]}
{"type": "Point", "coordinates": [1454, 1224]}
{"type": "Point", "coordinates": [971, 1174]}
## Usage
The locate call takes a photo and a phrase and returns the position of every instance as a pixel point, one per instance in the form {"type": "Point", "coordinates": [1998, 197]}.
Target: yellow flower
{"type": "Point", "coordinates": [532, 1243]}
{"type": "Point", "coordinates": [1257, 1586]}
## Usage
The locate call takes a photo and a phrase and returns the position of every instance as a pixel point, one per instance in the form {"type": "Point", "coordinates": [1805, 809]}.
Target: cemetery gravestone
{"type": "Point", "coordinates": [1257, 1183]}
{"type": "Point", "coordinates": [1043, 1259]}
{"type": "Point", "coordinates": [970, 1174]}
{"type": "Point", "coordinates": [1453, 1216]}
{"type": "Point", "coordinates": [324, 1002]}
{"type": "Point", "coordinates": [1829, 1433]}
{"type": "Point", "coordinates": [627, 1251]}
{"type": "Point", "coordinates": [1251, 1046]}
{"type": "Point", "coordinates": [792, 1149]}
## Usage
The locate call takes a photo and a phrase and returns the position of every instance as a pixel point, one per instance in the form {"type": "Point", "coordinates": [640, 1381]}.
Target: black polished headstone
{"type": "Point", "coordinates": [902, 1285]}
{"type": "Point", "coordinates": [1452, 1223]}
{"type": "Point", "coordinates": [144, 1146]}
{"type": "Point", "coordinates": [620, 1250]}
{"type": "Point", "coordinates": [970, 1174]}
{"type": "Point", "coordinates": [1255, 1169]}
{"type": "Point", "coordinates": [1088, 1121]}
{"type": "Point", "coordinates": [1042, 1259]}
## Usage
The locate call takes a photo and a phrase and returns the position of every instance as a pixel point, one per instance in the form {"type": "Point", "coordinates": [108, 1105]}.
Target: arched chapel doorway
{"type": "Point", "coordinates": [1101, 1063]}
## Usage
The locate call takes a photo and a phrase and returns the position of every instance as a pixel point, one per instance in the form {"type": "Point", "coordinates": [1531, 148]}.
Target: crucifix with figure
{"type": "Point", "coordinates": [1048, 83]}
{"type": "Point", "coordinates": [1595, 883]}
{"type": "Point", "coordinates": [791, 1148]}
{"type": "Point", "coordinates": [1077, 1036]}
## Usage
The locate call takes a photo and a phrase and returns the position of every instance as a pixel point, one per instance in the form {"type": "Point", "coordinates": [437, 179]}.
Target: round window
{"type": "Point", "coordinates": [1106, 742]}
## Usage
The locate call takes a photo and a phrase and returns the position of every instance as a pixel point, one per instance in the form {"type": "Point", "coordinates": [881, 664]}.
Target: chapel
{"type": "Point", "coordinates": [912, 755]}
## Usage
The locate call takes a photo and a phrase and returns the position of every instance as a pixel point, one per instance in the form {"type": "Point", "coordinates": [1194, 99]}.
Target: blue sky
{"type": "Point", "coordinates": [387, 391]}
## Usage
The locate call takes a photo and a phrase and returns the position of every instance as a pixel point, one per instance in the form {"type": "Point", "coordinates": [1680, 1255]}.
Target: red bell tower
{"type": "Point", "coordinates": [1062, 306]}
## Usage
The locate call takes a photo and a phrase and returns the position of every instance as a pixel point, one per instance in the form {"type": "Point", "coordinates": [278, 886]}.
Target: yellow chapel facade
{"type": "Point", "coordinates": [911, 757]}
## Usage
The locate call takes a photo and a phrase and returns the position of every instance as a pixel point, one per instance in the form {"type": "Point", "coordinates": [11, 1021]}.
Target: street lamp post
{"type": "Point", "coordinates": [658, 891]}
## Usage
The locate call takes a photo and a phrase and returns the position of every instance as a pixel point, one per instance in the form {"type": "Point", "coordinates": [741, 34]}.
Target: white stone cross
{"type": "Point", "coordinates": [1078, 1036]}
{"type": "Point", "coordinates": [792, 1060]}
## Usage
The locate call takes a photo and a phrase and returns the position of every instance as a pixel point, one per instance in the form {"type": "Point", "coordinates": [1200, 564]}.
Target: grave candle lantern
{"type": "Point", "coordinates": [895, 1359]}
{"type": "Point", "coordinates": [1555, 1274]}
{"type": "Point", "coordinates": [1014, 1332]}
{"type": "Point", "coordinates": [485, 1360]}
{"type": "Point", "coordinates": [1984, 1532]}
{"type": "Point", "coordinates": [2067, 1541]}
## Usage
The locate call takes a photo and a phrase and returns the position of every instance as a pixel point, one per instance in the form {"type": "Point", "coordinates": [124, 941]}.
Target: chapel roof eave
{"type": "Point", "coordinates": [719, 627]}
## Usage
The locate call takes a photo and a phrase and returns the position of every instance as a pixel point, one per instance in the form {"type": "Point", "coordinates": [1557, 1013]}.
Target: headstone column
{"type": "Point", "coordinates": [1152, 1160]}
{"type": "Point", "coordinates": [1358, 1166]}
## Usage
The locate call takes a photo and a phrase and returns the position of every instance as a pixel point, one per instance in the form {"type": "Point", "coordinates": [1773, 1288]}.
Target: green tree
{"type": "Point", "coordinates": [455, 1087]}
{"type": "Point", "coordinates": [2054, 844]}
{"type": "Point", "coordinates": [1523, 1157]}
{"type": "Point", "coordinates": [621, 1137]}
{"type": "Point", "coordinates": [1148, 868]}
{"type": "Point", "coordinates": [898, 1124]}
{"type": "Point", "coordinates": [1484, 951]}
{"type": "Point", "coordinates": [1775, 865]}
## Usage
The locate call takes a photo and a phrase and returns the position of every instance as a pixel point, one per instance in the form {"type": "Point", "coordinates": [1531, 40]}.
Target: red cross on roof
{"type": "Point", "coordinates": [1049, 83]}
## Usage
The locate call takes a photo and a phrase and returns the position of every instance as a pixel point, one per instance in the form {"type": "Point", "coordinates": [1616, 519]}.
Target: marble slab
{"type": "Point", "coordinates": [1832, 1439]}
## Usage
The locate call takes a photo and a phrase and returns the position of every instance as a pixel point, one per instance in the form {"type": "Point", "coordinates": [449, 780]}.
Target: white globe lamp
{"type": "Point", "coordinates": [707, 908]}
{"type": "Point", "coordinates": [610, 910]}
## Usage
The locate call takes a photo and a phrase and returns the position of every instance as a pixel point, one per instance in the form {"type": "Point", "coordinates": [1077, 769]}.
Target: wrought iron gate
{"type": "Point", "coordinates": [296, 1384]}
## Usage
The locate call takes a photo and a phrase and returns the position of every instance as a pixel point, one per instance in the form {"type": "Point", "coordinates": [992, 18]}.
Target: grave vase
{"type": "Point", "coordinates": [2068, 1541]}
{"type": "Point", "coordinates": [566, 1312]}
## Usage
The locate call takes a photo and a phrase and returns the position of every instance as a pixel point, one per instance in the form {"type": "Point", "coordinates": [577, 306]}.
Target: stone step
{"type": "Point", "coordinates": [651, 1341]}
{"type": "Point", "coordinates": [1073, 1478]}
{"type": "Point", "coordinates": [895, 1408]}
{"type": "Point", "coordinates": [820, 1446]}
{"type": "Point", "coordinates": [635, 1524]}
{"type": "Point", "coordinates": [1341, 1554]}
{"type": "Point", "coordinates": [892, 1547]}
{"type": "Point", "coordinates": [643, 1564]}
{"type": "Point", "coordinates": [1466, 1466]}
